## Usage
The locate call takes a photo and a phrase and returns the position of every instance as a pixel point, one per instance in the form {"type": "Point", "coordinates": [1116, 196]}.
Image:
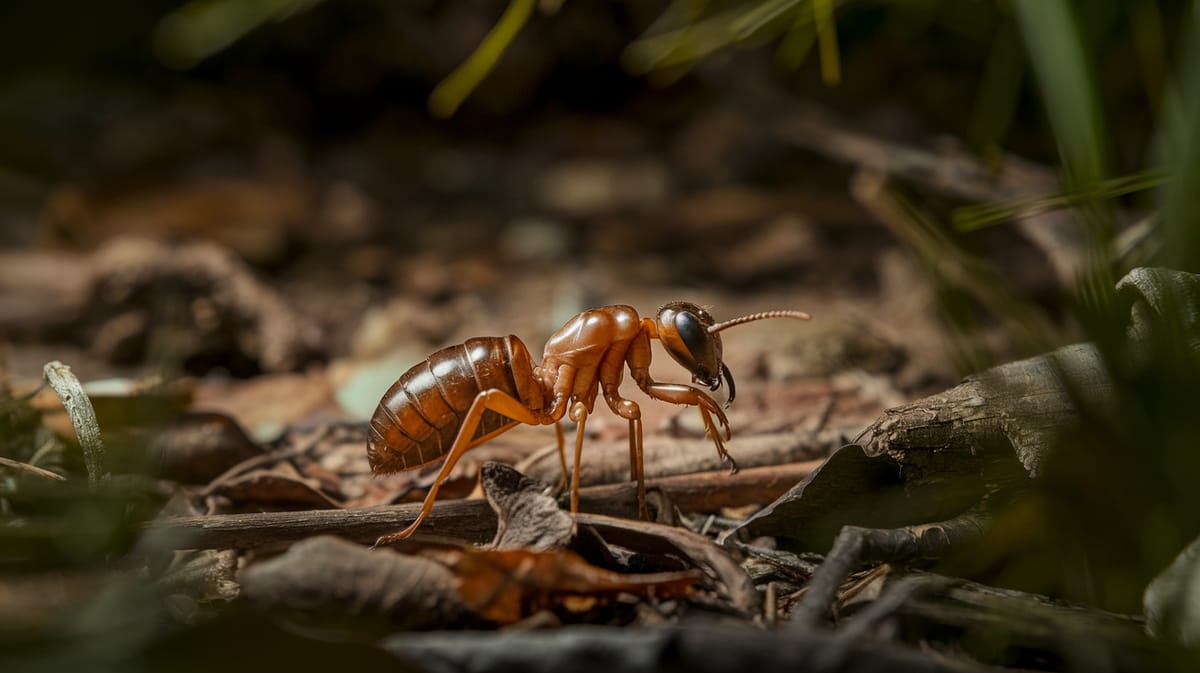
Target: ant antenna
{"type": "Point", "coordinates": [800, 315]}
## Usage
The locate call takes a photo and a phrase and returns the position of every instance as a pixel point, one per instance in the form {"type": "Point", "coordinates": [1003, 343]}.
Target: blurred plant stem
{"type": "Point", "coordinates": [956, 275]}
{"type": "Point", "coordinates": [1179, 142]}
{"type": "Point", "coordinates": [453, 90]}
{"type": "Point", "coordinates": [201, 28]}
{"type": "Point", "coordinates": [83, 417]}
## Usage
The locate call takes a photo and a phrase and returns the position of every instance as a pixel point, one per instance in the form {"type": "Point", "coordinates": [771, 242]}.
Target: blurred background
{"type": "Point", "coordinates": [312, 195]}
{"type": "Point", "coordinates": [494, 168]}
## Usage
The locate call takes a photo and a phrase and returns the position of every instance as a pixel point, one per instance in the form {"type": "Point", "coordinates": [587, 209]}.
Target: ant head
{"type": "Point", "coordinates": [683, 328]}
{"type": "Point", "coordinates": [690, 335]}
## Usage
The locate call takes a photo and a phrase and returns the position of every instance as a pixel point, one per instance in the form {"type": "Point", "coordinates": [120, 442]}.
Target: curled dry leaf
{"type": "Point", "coordinates": [330, 577]}
{"type": "Point", "coordinates": [506, 585]}
{"type": "Point", "coordinates": [729, 579]}
{"type": "Point", "coordinates": [271, 489]}
{"type": "Point", "coordinates": [529, 518]}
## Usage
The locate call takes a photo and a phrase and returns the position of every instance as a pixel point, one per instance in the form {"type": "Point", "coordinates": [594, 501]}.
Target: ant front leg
{"type": "Point", "coordinates": [638, 359]}
{"type": "Point", "coordinates": [678, 393]}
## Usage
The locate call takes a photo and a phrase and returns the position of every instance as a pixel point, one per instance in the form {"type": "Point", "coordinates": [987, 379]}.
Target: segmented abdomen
{"type": "Point", "coordinates": [420, 415]}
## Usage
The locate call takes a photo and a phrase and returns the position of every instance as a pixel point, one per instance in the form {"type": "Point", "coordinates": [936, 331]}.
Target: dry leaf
{"type": "Point", "coordinates": [332, 577]}
{"type": "Point", "coordinates": [504, 586]}
{"type": "Point", "coordinates": [528, 517]}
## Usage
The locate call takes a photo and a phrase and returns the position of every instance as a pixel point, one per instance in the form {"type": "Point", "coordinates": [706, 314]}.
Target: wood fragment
{"type": "Point", "coordinates": [851, 636]}
{"type": "Point", "coordinates": [855, 545]}
{"type": "Point", "coordinates": [1030, 624]}
{"type": "Point", "coordinates": [1024, 405]}
{"type": "Point", "coordinates": [83, 416]}
{"type": "Point", "coordinates": [770, 604]}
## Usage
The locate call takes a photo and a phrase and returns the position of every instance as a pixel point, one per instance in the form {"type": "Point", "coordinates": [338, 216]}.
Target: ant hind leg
{"type": "Point", "coordinates": [493, 400]}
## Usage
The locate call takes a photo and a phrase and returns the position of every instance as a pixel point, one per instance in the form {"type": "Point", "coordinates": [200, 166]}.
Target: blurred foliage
{"type": "Point", "coordinates": [202, 28]}
{"type": "Point", "coordinates": [689, 31]}
{"type": "Point", "coordinates": [453, 90]}
{"type": "Point", "coordinates": [977, 216]}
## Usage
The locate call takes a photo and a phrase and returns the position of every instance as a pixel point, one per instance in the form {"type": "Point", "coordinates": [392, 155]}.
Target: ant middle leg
{"type": "Point", "coordinates": [630, 410]}
{"type": "Point", "coordinates": [579, 414]}
{"type": "Point", "coordinates": [708, 408]}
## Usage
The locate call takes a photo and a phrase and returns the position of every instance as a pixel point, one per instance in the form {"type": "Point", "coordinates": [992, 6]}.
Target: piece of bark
{"type": "Point", "coordinates": [467, 520]}
{"type": "Point", "coordinates": [1028, 627]}
{"type": "Point", "coordinates": [848, 488]}
{"type": "Point", "coordinates": [1024, 405]}
{"type": "Point", "coordinates": [197, 584]}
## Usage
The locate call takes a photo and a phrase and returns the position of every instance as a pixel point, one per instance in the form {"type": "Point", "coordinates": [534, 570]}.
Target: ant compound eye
{"type": "Point", "coordinates": [684, 330]}
{"type": "Point", "coordinates": [693, 334]}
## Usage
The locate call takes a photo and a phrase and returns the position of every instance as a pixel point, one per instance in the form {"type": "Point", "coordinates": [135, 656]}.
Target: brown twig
{"type": "Point", "coordinates": [471, 520]}
{"type": "Point", "coordinates": [31, 469]}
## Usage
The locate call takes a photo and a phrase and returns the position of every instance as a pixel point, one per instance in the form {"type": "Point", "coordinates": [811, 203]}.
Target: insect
{"type": "Point", "coordinates": [467, 394]}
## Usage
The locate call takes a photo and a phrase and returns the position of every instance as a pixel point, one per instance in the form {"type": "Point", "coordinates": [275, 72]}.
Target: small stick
{"type": "Point", "coordinates": [31, 469]}
{"type": "Point", "coordinates": [83, 416]}
{"type": "Point", "coordinates": [471, 520]}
